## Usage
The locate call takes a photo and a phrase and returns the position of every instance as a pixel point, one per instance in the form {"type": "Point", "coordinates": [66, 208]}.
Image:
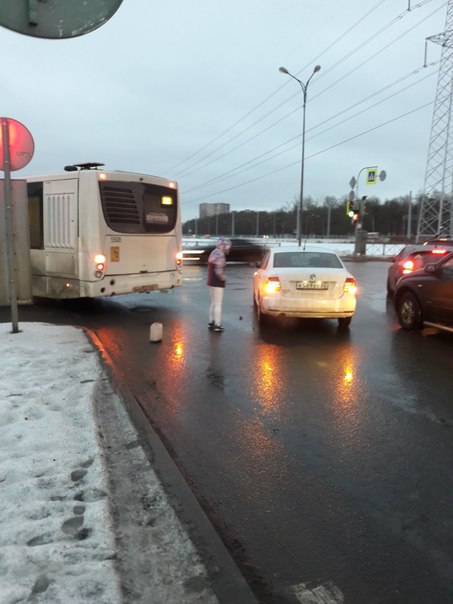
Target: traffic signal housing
{"type": "Point", "coordinates": [352, 212]}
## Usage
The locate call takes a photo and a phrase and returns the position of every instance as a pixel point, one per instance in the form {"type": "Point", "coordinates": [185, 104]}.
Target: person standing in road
{"type": "Point", "coordinates": [216, 282]}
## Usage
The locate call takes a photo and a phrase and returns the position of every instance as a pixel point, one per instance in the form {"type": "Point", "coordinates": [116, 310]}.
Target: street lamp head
{"type": "Point", "coordinates": [317, 68]}
{"type": "Point", "coordinates": [283, 70]}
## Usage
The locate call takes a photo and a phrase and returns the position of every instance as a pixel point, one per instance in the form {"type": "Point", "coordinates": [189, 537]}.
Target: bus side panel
{"type": "Point", "coordinates": [57, 262]}
{"type": "Point", "coordinates": [60, 227]}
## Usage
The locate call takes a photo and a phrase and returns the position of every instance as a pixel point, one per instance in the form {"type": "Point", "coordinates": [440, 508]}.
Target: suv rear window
{"type": "Point", "coordinates": [421, 259]}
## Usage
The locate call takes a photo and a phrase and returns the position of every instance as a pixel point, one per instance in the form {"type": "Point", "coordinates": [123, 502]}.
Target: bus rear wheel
{"type": "Point", "coordinates": [344, 322]}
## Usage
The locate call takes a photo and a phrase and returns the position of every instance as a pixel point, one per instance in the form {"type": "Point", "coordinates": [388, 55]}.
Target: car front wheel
{"type": "Point", "coordinates": [409, 312]}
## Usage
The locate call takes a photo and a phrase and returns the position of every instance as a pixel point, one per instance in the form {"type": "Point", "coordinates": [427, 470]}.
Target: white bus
{"type": "Point", "coordinates": [95, 233]}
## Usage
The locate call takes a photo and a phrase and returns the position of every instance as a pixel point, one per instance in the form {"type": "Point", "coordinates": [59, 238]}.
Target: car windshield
{"type": "Point", "coordinates": [306, 259]}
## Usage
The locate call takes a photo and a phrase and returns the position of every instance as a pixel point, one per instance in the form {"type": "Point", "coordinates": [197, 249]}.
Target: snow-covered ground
{"type": "Point", "coordinates": [57, 540]}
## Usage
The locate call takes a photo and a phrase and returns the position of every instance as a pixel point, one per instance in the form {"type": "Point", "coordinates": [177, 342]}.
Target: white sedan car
{"type": "Point", "coordinates": [307, 283]}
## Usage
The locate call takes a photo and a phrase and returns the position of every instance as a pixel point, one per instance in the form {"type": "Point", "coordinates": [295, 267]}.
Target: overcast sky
{"type": "Point", "coordinates": [190, 90]}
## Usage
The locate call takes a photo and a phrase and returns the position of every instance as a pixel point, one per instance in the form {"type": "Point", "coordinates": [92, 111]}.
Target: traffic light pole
{"type": "Point", "coordinates": [358, 225]}
{"type": "Point", "coordinates": [358, 215]}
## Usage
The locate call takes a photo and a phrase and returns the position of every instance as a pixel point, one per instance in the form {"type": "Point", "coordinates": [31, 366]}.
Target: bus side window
{"type": "Point", "coordinates": [35, 215]}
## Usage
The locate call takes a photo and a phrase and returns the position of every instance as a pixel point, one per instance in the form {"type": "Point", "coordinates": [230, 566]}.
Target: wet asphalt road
{"type": "Point", "coordinates": [322, 457]}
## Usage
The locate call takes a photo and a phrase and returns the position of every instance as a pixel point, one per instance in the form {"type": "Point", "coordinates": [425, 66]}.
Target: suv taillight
{"type": "Point", "coordinates": [408, 267]}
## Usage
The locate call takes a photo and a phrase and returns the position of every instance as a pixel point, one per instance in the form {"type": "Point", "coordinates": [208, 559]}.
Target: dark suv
{"type": "Point", "coordinates": [426, 296]}
{"type": "Point", "coordinates": [242, 250]}
{"type": "Point", "coordinates": [414, 257]}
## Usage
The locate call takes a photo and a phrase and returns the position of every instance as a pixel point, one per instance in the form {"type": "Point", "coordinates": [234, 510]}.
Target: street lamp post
{"type": "Point", "coordinates": [304, 92]}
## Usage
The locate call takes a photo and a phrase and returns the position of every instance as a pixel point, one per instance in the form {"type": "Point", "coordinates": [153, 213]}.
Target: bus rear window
{"type": "Point", "coordinates": [133, 207]}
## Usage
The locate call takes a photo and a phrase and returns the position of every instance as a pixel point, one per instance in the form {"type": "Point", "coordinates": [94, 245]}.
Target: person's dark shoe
{"type": "Point", "coordinates": [211, 325]}
{"type": "Point", "coordinates": [218, 328]}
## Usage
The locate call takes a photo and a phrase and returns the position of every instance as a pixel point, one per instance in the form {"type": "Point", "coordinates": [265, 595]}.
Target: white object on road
{"type": "Point", "coordinates": [155, 332]}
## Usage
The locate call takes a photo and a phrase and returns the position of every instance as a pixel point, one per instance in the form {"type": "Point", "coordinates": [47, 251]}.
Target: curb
{"type": "Point", "coordinates": [224, 576]}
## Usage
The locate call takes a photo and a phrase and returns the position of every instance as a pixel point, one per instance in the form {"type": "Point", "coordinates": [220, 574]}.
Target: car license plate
{"type": "Point", "coordinates": [312, 285]}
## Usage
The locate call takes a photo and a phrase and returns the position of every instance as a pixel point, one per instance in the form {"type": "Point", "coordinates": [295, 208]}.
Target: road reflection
{"type": "Point", "coordinates": [168, 363]}
{"type": "Point", "coordinates": [267, 372]}
{"type": "Point", "coordinates": [348, 381]}
{"type": "Point", "coordinates": [215, 373]}
{"type": "Point", "coordinates": [307, 370]}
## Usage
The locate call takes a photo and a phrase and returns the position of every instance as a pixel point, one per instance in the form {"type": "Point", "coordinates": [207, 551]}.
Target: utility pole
{"type": "Point", "coordinates": [436, 206]}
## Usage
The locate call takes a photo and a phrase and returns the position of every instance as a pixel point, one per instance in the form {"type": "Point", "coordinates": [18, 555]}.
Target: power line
{"type": "Point", "coordinates": [254, 161]}
{"type": "Point", "coordinates": [379, 32]}
{"type": "Point", "coordinates": [189, 172]}
{"type": "Point", "coordinates": [217, 158]}
{"type": "Point", "coordinates": [390, 96]}
{"type": "Point", "coordinates": [312, 155]}
{"type": "Point", "coordinates": [341, 37]}
{"type": "Point", "coordinates": [379, 51]}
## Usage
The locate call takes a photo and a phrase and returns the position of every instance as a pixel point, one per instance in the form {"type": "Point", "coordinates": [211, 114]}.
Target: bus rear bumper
{"type": "Point", "coordinates": [61, 288]}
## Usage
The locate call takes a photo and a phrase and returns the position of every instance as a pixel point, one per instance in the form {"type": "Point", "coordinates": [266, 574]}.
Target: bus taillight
{"type": "Point", "coordinates": [179, 257]}
{"type": "Point", "coordinates": [99, 261]}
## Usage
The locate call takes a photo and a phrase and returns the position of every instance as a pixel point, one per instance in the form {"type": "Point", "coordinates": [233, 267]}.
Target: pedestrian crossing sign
{"type": "Point", "coordinates": [371, 176]}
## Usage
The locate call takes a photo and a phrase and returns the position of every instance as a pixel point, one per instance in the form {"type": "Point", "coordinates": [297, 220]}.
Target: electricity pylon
{"type": "Point", "coordinates": [436, 209]}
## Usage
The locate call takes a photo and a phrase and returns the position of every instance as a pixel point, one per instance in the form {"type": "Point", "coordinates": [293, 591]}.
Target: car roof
{"type": "Point", "coordinates": [439, 241]}
{"type": "Point", "coordinates": [427, 247]}
{"type": "Point", "coordinates": [415, 247]}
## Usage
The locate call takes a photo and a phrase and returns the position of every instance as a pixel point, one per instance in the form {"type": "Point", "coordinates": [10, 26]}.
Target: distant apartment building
{"type": "Point", "coordinates": [213, 209]}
